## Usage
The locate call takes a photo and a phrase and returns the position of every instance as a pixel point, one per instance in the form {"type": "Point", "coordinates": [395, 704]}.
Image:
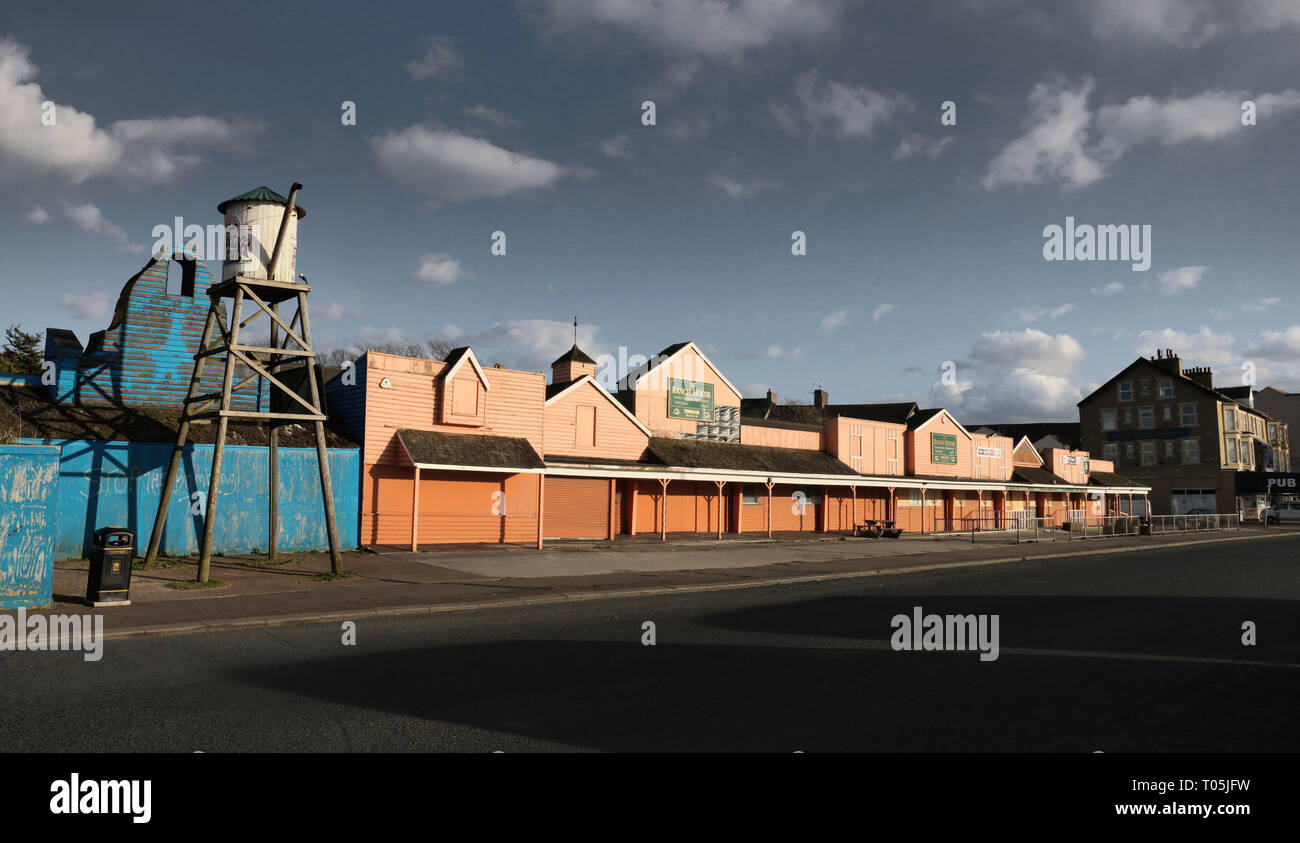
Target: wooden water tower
{"type": "Point", "coordinates": [254, 281]}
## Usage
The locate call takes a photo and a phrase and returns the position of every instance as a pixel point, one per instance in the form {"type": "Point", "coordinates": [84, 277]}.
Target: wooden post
{"type": "Point", "coordinates": [663, 510]}
{"type": "Point", "coordinates": [769, 508]}
{"type": "Point", "coordinates": [611, 509]}
{"type": "Point", "coordinates": [273, 455]}
{"type": "Point", "coordinates": [182, 436]}
{"type": "Point", "coordinates": [541, 500]}
{"type": "Point", "coordinates": [219, 446]}
{"type": "Point", "coordinates": [825, 521]}
{"type": "Point", "coordinates": [924, 507]}
{"type": "Point", "coordinates": [720, 483]}
{"type": "Point", "coordinates": [633, 485]}
{"type": "Point", "coordinates": [415, 512]}
{"type": "Point", "coordinates": [322, 456]}
{"type": "Point", "coordinates": [740, 508]}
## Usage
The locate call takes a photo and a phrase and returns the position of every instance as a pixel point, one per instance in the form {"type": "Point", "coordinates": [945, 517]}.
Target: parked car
{"type": "Point", "coordinates": [1283, 513]}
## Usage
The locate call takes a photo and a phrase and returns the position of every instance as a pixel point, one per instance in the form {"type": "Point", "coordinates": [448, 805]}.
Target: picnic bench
{"type": "Point", "coordinates": [874, 528]}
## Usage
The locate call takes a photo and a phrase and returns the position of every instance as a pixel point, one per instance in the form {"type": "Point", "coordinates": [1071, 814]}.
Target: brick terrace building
{"type": "Point", "coordinates": [1169, 428]}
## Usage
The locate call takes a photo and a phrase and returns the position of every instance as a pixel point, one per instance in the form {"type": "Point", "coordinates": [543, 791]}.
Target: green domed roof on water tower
{"type": "Point", "coordinates": [259, 194]}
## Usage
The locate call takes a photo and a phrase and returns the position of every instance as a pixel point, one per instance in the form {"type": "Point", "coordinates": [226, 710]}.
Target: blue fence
{"type": "Point", "coordinates": [29, 483]}
{"type": "Point", "coordinates": [119, 483]}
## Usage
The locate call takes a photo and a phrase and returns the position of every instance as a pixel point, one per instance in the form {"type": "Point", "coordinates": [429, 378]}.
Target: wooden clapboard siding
{"type": "Point", "coordinates": [512, 407]}
{"type": "Point", "coordinates": [651, 392]}
{"type": "Point", "coordinates": [868, 447]}
{"type": "Point", "coordinates": [455, 507]}
{"type": "Point", "coordinates": [780, 437]}
{"type": "Point", "coordinates": [918, 449]}
{"type": "Point", "coordinates": [616, 436]}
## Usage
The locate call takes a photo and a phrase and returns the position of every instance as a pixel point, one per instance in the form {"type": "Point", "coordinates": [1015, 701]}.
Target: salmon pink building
{"type": "Point", "coordinates": [459, 452]}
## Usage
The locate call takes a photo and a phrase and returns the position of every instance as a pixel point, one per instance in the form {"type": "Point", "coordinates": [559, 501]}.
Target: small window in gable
{"type": "Point", "coordinates": [465, 397]}
{"type": "Point", "coordinates": [586, 426]}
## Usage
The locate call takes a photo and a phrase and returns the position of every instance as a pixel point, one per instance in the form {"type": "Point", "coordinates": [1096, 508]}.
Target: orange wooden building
{"type": "Point", "coordinates": [454, 452]}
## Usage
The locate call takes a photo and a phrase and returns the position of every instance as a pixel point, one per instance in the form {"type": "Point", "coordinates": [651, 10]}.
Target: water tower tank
{"type": "Point", "coordinates": [261, 208]}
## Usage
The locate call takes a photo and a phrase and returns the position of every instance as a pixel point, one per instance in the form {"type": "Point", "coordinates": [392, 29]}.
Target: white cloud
{"type": "Point", "coordinates": [714, 30]}
{"type": "Point", "coordinates": [94, 306]}
{"type": "Point", "coordinates": [1110, 289]}
{"type": "Point", "coordinates": [333, 312]}
{"type": "Point", "coordinates": [89, 218]}
{"type": "Point", "coordinates": [1280, 346]}
{"type": "Point", "coordinates": [38, 216]}
{"type": "Point", "coordinates": [619, 146]}
{"type": "Point", "coordinates": [1066, 142]}
{"type": "Point", "coordinates": [1261, 305]}
{"type": "Point", "coordinates": [776, 352]}
{"type": "Point", "coordinates": [1015, 376]}
{"type": "Point", "coordinates": [1035, 313]}
{"type": "Point", "coordinates": [1209, 115]}
{"type": "Point", "coordinates": [687, 129]}
{"type": "Point", "coordinates": [1188, 23]}
{"type": "Point", "coordinates": [447, 166]}
{"type": "Point", "coordinates": [495, 116]}
{"type": "Point", "coordinates": [914, 144]}
{"type": "Point", "coordinates": [738, 188]}
{"type": "Point", "coordinates": [882, 311]}
{"type": "Point", "coordinates": [439, 268]}
{"type": "Point", "coordinates": [75, 149]}
{"type": "Point", "coordinates": [1181, 279]}
{"type": "Point", "coordinates": [1203, 346]}
{"type": "Point", "coordinates": [1052, 148]}
{"type": "Point", "coordinates": [439, 58]}
{"type": "Point", "coordinates": [845, 111]}
{"type": "Point", "coordinates": [835, 320]}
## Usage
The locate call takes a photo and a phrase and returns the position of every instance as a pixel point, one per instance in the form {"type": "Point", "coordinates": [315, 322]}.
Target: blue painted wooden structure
{"type": "Point", "coordinates": [118, 483]}
{"type": "Point", "coordinates": [146, 355]}
{"type": "Point", "coordinates": [29, 483]}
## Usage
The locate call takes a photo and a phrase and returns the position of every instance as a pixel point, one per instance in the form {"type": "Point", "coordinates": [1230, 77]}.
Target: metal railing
{"type": "Point", "coordinates": [1016, 528]}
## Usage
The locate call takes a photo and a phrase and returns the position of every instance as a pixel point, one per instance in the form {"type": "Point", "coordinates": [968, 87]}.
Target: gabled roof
{"type": "Point", "coordinates": [574, 355]}
{"type": "Point", "coordinates": [427, 448]}
{"type": "Point", "coordinates": [765, 409]}
{"type": "Point", "coordinates": [554, 391]}
{"type": "Point", "coordinates": [457, 358]}
{"type": "Point", "coordinates": [1219, 394]}
{"type": "Point", "coordinates": [1070, 433]}
{"type": "Point", "coordinates": [629, 381]}
{"type": "Point", "coordinates": [923, 417]}
{"type": "Point", "coordinates": [1024, 440]}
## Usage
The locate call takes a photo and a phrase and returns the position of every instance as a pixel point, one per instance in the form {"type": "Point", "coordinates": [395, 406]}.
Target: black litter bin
{"type": "Point", "coordinates": [109, 583]}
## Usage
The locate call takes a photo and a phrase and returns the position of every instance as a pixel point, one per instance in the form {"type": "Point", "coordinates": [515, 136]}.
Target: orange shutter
{"type": "Point", "coordinates": [576, 508]}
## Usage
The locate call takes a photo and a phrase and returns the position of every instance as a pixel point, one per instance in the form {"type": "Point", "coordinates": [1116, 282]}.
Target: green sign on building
{"type": "Point", "coordinates": [690, 400]}
{"type": "Point", "coordinates": [943, 448]}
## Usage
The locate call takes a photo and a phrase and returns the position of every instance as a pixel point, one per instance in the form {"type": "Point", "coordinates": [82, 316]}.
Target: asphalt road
{"type": "Point", "coordinates": [1118, 653]}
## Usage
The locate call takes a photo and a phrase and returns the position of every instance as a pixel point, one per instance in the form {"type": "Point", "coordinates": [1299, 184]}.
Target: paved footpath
{"type": "Point", "coordinates": [253, 593]}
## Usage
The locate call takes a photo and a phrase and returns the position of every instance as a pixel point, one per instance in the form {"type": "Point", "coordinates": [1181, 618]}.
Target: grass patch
{"type": "Point", "coordinates": [139, 564]}
{"type": "Point", "coordinates": [330, 576]}
{"type": "Point", "coordinates": [191, 585]}
{"type": "Point", "coordinates": [263, 563]}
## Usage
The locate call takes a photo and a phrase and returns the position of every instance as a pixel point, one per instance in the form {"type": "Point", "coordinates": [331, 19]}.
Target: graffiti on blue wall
{"type": "Point", "coordinates": [29, 481]}
{"type": "Point", "coordinates": [119, 484]}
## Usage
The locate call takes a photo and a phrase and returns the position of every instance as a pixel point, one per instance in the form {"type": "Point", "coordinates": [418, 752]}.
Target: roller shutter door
{"type": "Point", "coordinates": [576, 508]}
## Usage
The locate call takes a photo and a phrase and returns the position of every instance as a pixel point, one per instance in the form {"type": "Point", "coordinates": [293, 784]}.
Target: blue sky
{"type": "Point", "coordinates": [924, 240]}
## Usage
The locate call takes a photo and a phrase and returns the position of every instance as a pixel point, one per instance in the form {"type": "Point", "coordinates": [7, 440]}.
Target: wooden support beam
{"type": "Point", "coordinates": [415, 512]}
{"type": "Point", "coordinates": [541, 500]}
